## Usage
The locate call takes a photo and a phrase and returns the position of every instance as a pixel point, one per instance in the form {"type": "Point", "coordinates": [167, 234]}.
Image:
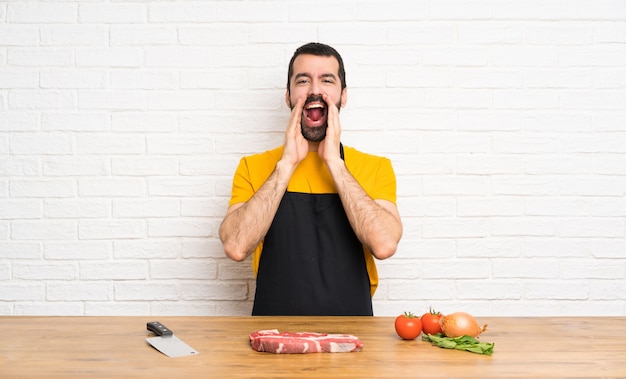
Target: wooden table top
{"type": "Point", "coordinates": [105, 347]}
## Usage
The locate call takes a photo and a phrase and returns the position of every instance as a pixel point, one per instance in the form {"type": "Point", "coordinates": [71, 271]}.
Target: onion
{"type": "Point", "coordinates": [461, 324]}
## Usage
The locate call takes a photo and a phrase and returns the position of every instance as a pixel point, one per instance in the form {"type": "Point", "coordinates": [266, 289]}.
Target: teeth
{"type": "Point", "coordinates": [311, 106]}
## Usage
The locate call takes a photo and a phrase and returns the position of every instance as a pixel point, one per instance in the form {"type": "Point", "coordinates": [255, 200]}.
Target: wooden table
{"type": "Point", "coordinates": [107, 347]}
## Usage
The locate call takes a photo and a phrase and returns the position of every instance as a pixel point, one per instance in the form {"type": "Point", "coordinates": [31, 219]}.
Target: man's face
{"type": "Point", "coordinates": [312, 76]}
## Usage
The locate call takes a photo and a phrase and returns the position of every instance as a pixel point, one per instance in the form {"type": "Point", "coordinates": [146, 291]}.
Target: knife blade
{"type": "Point", "coordinates": [167, 343]}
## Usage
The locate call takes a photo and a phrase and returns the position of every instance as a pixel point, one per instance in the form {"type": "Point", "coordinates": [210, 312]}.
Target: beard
{"type": "Point", "coordinates": [314, 133]}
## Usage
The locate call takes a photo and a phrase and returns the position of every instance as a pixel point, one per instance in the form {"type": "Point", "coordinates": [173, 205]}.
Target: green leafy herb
{"type": "Point", "coordinates": [466, 343]}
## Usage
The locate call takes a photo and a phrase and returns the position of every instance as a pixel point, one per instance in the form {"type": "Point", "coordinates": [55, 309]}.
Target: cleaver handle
{"type": "Point", "coordinates": [159, 329]}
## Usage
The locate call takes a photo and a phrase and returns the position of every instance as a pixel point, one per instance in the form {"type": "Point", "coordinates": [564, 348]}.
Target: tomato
{"type": "Point", "coordinates": [408, 326]}
{"type": "Point", "coordinates": [431, 322]}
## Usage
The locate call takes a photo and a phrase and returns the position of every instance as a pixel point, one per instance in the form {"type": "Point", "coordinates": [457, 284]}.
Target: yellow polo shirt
{"type": "Point", "coordinates": [375, 174]}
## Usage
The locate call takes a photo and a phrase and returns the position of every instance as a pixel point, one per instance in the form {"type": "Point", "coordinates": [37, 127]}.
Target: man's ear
{"type": "Point", "coordinates": [287, 98]}
{"type": "Point", "coordinates": [344, 97]}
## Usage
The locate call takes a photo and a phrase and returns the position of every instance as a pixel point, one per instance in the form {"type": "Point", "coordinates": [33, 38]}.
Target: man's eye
{"type": "Point", "coordinates": [302, 81]}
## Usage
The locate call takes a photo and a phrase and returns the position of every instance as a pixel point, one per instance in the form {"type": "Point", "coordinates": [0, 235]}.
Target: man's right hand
{"type": "Point", "coordinates": [296, 146]}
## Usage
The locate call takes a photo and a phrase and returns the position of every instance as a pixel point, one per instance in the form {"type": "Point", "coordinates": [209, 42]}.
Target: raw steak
{"type": "Point", "coordinates": [272, 341]}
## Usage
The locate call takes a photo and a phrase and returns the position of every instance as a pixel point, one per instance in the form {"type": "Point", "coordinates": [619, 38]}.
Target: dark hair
{"type": "Point", "coordinates": [319, 49]}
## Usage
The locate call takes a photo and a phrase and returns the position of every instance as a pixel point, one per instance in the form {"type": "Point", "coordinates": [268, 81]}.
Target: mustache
{"type": "Point", "coordinates": [314, 99]}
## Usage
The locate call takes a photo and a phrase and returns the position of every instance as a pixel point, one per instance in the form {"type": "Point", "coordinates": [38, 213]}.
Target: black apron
{"type": "Point", "coordinates": [312, 263]}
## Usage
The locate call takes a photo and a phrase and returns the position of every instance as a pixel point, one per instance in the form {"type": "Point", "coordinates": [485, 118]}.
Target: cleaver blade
{"type": "Point", "coordinates": [167, 343]}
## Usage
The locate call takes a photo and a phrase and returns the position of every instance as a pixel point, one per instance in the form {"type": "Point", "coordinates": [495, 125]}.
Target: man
{"type": "Point", "coordinates": [312, 212]}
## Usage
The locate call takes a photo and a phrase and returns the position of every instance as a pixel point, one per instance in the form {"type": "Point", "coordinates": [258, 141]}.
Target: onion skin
{"type": "Point", "coordinates": [461, 324]}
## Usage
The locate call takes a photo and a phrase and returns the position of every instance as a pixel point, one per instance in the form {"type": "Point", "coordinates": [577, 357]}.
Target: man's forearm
{"type": "Point", "coordinates": [378, 227]}
{"type": "Point", "coordinates": [245, 226]}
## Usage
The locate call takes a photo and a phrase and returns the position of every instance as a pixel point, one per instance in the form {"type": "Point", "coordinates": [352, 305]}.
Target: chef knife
{"type": "Point", "coordinates": [167, 343]}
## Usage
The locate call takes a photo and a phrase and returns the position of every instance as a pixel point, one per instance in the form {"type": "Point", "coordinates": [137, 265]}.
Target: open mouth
{"type": "Point", "coordinates": [315, 113]}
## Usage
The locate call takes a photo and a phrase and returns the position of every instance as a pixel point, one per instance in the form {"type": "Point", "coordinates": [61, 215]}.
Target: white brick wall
{"type": "Point", "coordinates": [121, 124]}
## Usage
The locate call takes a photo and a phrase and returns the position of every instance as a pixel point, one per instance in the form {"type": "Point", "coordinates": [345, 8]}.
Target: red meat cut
{"type": "Point", "coordinates": [272, 341]}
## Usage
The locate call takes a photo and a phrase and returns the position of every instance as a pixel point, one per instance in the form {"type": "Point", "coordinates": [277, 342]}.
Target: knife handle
{"type": "Point", "coordinates": [159, 329]}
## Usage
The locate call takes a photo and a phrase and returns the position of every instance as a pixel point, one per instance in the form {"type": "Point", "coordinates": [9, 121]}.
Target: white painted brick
{"type": "Point", "coordinates": [395, 10]}
{"type": "Point", "coordinates": [488, 248]}
{"type": "Point", "coordinates": [221, 79]}
{"type": "Point", "coordinates": [611, 207]}
{"type": "Point", "coordinates": [606, 99]}
{"type": "Point", "coordinates": [41, 143]}
{"type": "Point", "coordinates": [365, 33]}
{"type": "Point", "coordinates": [607, 248]}
{"type": "Point", "coordinates": [181, 144]}
{"type": "Point", "coordinates": [610, 32]}
{"type": "Point", "coordinates": [607, 289]}
{"type": "Point", "coordinates": [112, 187]}
{"type": "Point", "coordinates": [183, 57]}
{"type": "Point", "coordinates": [5, 272]}
{"type": "Point", "coordinates": [475, 121]}
{"type": "Point", "coordinates": [41, 99]}
{"type": "Point", "coordinates": [77, 250]}
{"type": "Point", "coordinates": [460, 10]}
{"type": "Point", "coordinates": [591, 227]}
{"type": "Point", "coordinates": [385, 56]}
{"type": "Point", "coordinates": [144, 166]}
{"type": "Point", "coordinates": [557, 122]}
{"type": "Point", "coordinates": [278, 33]}
{"type": "Point", "coordinates": [40, 57]}
{"type": "Point", "coordinates": [144, 291]}
{"type": "Point", "coordinates": [22, 291]}
{"type": "Point", "coordinates": [20, 209]}
{"type": "Point", "coordinates": [71, 35]}
{"type": "Point", "coordinates": [478, 206]}
{"type": "Point", "coordinates": [489, 78]}
{"type": "Point", "coordinates": [523, 185]}
{"type": "Point", "coordinates": [219, 290]}
{"type": "Point", "coordinates": [522, 226]}
{"type": "Point", "coordinates": [20, 250]}
{"type": "Point", "coordinates": [519, 268]}
{"type": "Point", "coordinates": [526, 99]}
{"type": "Point", "coordinates": [208, 166]}
{"type": "Point", "coordinates": [113, 13]}
{"type": "Point", "coordinates": [177, 227]}
{"type": "Point", "coordinates": [438, 33]}
{"type": "Point", "coordinates": [609, 78]}
{"type": "Point", "coordinates": [143, 122]}
{"type": "Point", "coordinates": [557, 206]}
{"type": "Point", "coordinates": [146, 249]}
{"type": "Point", "coordinates": [597, 10]}
{"type": "Point", "coordinates": [72, 291]}
{"type": "Point", "coordinates": [459, 268]}
{"type": "Point", "coordinates": [456, 228]}
{"type": "Point", "coordinates": [102, 308]}
{"type": "Point", "coordinates": [43, 188]}
{"type": "Point", "coordinates": [75, 166]}
{"type": "Point", "coordinates": [202, 208]}
{"type": "Point", "coordinates": [143, 79]}
{"type": "Point", "coordinates": [456, 185]}
{"type": "Point", "coordinates": [267, 56]}
{"type": "Point", "coordinates": [183, 269]}
{"type": "Point", "coordinates": [431, 206]}
{"type": "Point", "coordinates": [72, 78]}
{"type": "Point", "coordinates": [559, 78]}
{"type": "Point", "coordinates": [561, 290]}
{"type": "Point", "coordinates": [590, 269]}
{"type": "Point", "coordinates": [455, 99]}
{"type": "Point", "coordinates": [594, 143]}
{"type": "Point", "coordinates": [558, 164]}
{"type": "Point", "coordinates": [491, 290]}
{"type": "Point", "coordinates": [214, 35]}
{"type": "Point", "coordinates": [418, 290]}
{"type": "Point", "coordinates": [203, 248]}
{"type": "Point", "coordinates": [528, 143]}
{"type": "Point", "coordinates": [63, 121]}
{"type": "Point", "coordinates": [44, 272]}
{"type": "Point", "coordinates": [111, 229]}
{"type": "Point", "coordinates": [555, 247]}
{"type": "Point", "coordinates": [119, 143]}
{"type": "Point", "coordinates": [76, 208]}
{"type": "Point", "coordinates": [592, 186]}
{"type": "Point", "coordinates": [141, 34]}
{"type": "Point", "coordinates": [559, 34]}
{"type": "Point", "coordinates": [601, 56]}
{"type": "Point", "coordinates": [18, 35]}
{"type": "Point", "coordinates": [116, 270]}
{"type": "Point", "coordinates": [112, 100]}
{"type": "Point", "coordinates": [19, 121]}
{"type": "Point", "coordinates": [491, 33]}
{"type": "Point", "coordinates": [301, 12]}
{"type": "Point", "coordinates": [609, 122]}
{"type": "Point", "coordinates": [181, 186]}
{"type": "Point", "coordinates": [48, 308]}
{"type": "Point", "coordinates": [470, 164]}
{"type": "Point", "coordinates": [195, 12]}
{"type": "Point", "coordinates": [19, 78]}
{"type": "Point", "coordinates": [457, 56]}
{"type": "Point", "coordinates": [54, 12]}
{"type": "Point", "coordinates": [148, 208]}
{"type": "Point", "coordinates": [229, 270]}
{"type": "Point", "coordinates": [41, 230]}
{"type": "Point", "coordinates": [529, 9]}
{"type": "Point", "coordinates": [525, 56]}
{"type": "Point", "coordinates": [426, 78]}
{"type": "Point", "coordinates": [109, 57]}
{"type": "Point", "coordinates": [181, 100]}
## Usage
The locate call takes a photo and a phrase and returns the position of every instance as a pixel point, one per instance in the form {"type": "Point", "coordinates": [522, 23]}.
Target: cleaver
{"type": "Point", "coordinates": [167, 343]}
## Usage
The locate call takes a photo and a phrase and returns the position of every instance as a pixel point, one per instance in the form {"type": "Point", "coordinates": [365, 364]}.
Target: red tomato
{"type": "Point", "coordinates": [431, 322]}
{"type": "Point", "coordinates": [408, 326]}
